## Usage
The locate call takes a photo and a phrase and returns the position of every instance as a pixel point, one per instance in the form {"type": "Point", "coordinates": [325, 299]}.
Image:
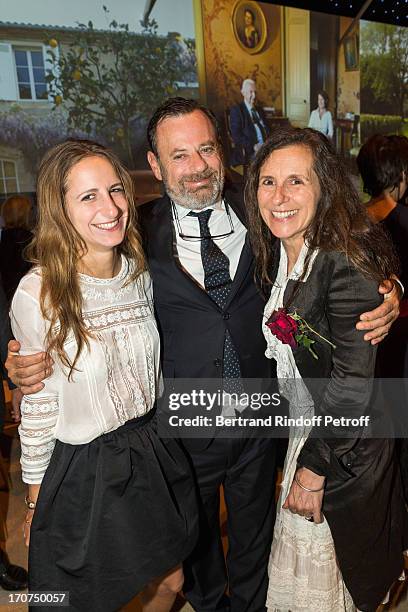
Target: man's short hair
{"type": "Point", "coordinates": [176, 107]}
{"type": "Point", "coordinates": [246, 82]}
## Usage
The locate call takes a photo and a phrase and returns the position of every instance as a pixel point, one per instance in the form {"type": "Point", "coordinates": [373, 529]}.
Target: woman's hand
{"type": "Point", "coordinates": [303, 502]}
{"type": "Point", "coordinates": [27, 526]}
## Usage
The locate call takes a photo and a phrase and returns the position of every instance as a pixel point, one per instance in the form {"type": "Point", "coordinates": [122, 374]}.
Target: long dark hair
{"type": "Point", "coordinates": [340, 223]}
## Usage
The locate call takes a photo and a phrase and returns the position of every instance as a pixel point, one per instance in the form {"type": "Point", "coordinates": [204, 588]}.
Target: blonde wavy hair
{"type": "Point", "coordinates": [57, 246]}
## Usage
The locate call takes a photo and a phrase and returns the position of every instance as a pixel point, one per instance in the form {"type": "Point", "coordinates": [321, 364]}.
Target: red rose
{"type": "Point", "coordinates": [283, 326]}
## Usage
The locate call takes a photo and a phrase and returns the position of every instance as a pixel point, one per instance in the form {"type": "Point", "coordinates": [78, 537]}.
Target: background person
{"type": "Point", "coordinates": [383, 165]}
{"type": "Point", "coordinates": [324, 268]}
{"type": "Point", "coordinates": [110, 506]}
{"type": "Point", "coordinates": [248, 126]}
{"type": "Point", "coordinates": [15, 237]}
{"type": "Point", "coordinates": [321, 118]}
{"type": "Point", "coordinates": [12, 577]}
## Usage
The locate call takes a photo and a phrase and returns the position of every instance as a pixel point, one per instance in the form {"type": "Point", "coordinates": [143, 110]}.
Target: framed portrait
{"type": "Point", "coordinates": [249, 26]}
{"type": "Point", "coordinates": [351, 53]}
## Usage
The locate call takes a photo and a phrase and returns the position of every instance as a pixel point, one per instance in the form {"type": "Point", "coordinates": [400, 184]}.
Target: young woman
{"type": "Point", "coordinates": [323, 271]}
{"type": "Point", "coordinates": [383, 165]}
{"type": "Point", "coordinates": [111, 507]}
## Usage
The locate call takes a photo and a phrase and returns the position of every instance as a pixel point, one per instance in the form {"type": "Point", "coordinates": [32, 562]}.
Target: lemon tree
{"type": "Point", "coordinates": [109, 81]}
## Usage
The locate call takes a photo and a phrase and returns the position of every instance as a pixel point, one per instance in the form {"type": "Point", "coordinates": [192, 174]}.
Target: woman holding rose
{"type": "Point", "coordinates": [342, 527]}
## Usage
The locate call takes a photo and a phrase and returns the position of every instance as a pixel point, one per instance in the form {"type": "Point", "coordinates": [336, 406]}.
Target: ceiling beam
{"type": "Point", "coordinates": [149, 4]}
{"type": "Point", "coordinates": [360, 13]}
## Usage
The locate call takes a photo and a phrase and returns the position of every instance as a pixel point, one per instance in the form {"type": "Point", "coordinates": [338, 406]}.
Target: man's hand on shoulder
{"type": "Point", "coordinates": [378, 322]}
{"type": "Point", "coordinates": [27, 372]}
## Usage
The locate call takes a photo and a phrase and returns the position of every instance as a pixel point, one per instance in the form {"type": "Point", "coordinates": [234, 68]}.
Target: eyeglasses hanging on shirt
{"type": "Point", "coordinates": [199, 238]}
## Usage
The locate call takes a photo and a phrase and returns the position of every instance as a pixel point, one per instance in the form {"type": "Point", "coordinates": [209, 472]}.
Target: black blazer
{"type": "Point", "coordinates": [243, 133]}
{"type": "Point", "coordinates": [191, 325]}
{"type": "Point", "coordinates": [5, 336]}
{"type": "Point", "coordinates": [362, 502]}
{"type": "Point", "coordinates": [13, 266]}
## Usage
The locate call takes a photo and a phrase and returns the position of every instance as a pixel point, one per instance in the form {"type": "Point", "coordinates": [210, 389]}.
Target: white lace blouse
{"type": "Point", "coordinates": [117, 378]}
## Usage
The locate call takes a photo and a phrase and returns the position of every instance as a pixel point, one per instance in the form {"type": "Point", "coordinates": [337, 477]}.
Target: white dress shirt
{"type": "Point", "coordinates": [189, 251]}
{"type": "Point", "coordinates": [117, 378]}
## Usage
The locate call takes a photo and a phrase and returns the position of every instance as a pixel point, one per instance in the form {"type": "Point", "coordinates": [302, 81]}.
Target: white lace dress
{"type": "Point", "coordinates": [303, 572]}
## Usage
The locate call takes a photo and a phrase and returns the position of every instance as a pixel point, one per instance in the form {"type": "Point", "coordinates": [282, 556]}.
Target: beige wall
{"type": "Point", "coordinates": [227, 64]}
{"type": "Point", "coordinates": [348, 82]}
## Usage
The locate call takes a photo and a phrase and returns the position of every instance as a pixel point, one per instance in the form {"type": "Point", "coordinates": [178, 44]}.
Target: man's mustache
{"type": "Point", "coordinates": [199, 176]}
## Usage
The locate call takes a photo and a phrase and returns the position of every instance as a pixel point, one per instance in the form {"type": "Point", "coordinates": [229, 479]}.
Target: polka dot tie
{"type": "Point", "coordinates": [217, 283]}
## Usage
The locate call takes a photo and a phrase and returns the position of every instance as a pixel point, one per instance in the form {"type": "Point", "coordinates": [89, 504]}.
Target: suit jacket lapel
{"type": "Point", "coordinates": [246, 257]}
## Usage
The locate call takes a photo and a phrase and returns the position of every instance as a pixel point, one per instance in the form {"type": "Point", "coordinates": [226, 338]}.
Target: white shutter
{"type": "Point", "coordinates": [8, 84]}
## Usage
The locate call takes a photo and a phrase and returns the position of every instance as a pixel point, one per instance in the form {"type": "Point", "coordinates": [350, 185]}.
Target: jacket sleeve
{"type": "Point", "coordinates": [5, 333]}
{"type": "Point", "coordinates": [237, 126]}
{"type": "Point", "coordinates": [353, 361]}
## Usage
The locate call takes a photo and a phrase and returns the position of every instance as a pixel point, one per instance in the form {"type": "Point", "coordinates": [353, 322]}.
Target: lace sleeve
{"type": "Point", "coordinates": [39, 411]}
{"type": "Point", "coordinates": [39, 414]}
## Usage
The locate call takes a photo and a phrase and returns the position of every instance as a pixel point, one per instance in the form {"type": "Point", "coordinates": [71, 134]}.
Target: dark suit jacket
{"type": "Point", "coordinates": [243, 133]}
{"type": "Point", "coordinates": [5, 336]}
{"type": "Point", "coordinates": [362, 501]}
{"type": "Point", "coordinates": [13, 266]}
{"type": "Point", "coordinates": [191, 325]}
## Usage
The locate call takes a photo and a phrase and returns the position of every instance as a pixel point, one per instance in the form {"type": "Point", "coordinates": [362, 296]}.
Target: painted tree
{"type": "Point", "coordinates": [108, 81]}
{"type": "Point", "coordinates": [384, 68]}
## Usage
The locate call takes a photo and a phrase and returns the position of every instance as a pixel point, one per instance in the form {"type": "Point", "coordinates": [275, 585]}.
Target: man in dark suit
{"type": "Point", "coordinates": [201, 336]}
{"type": "Point", "coordinates": [248, 126]}
{"type": "Point", "coordinates": [209, 314]}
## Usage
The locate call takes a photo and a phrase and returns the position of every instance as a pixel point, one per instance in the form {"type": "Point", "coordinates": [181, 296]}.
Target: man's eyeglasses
{"type": "Point", "coordinates": [200, 238]}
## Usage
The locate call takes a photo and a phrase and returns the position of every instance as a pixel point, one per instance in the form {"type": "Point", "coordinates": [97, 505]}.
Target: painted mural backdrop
{"type": "Point", "coordinates": [384, 79]}
{"type": "Point", "coordinates": [59, 82]}
{"type": "Point", "coordinates": [103, 83]}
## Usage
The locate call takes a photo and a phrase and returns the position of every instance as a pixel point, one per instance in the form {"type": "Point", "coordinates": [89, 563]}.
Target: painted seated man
{"type": "Point", "coordinates": [248, 126]}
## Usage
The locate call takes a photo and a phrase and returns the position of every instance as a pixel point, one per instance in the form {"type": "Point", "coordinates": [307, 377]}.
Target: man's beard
{"type": "Point", "coordinates": [201, 197]}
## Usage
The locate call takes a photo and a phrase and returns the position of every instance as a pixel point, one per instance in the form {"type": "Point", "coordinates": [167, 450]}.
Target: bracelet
{"type": "Point", "coordinates": [306, 488]}
{"type": "Point", "coordinates": [29, 503]}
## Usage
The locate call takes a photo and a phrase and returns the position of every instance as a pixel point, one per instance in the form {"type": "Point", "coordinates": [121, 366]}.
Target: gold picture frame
{"type": "Point", "coordinates": [249, 26]}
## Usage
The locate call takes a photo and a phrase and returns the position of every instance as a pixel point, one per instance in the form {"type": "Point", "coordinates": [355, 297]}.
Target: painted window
{"type": "Point", "coordinates": [8, 177]}
{"type": "Point", "coordinates": [30, 73]}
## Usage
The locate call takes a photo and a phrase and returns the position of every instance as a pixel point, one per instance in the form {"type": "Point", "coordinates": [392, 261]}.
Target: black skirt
{"type": "Point", "coordinates": [111, 516]}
